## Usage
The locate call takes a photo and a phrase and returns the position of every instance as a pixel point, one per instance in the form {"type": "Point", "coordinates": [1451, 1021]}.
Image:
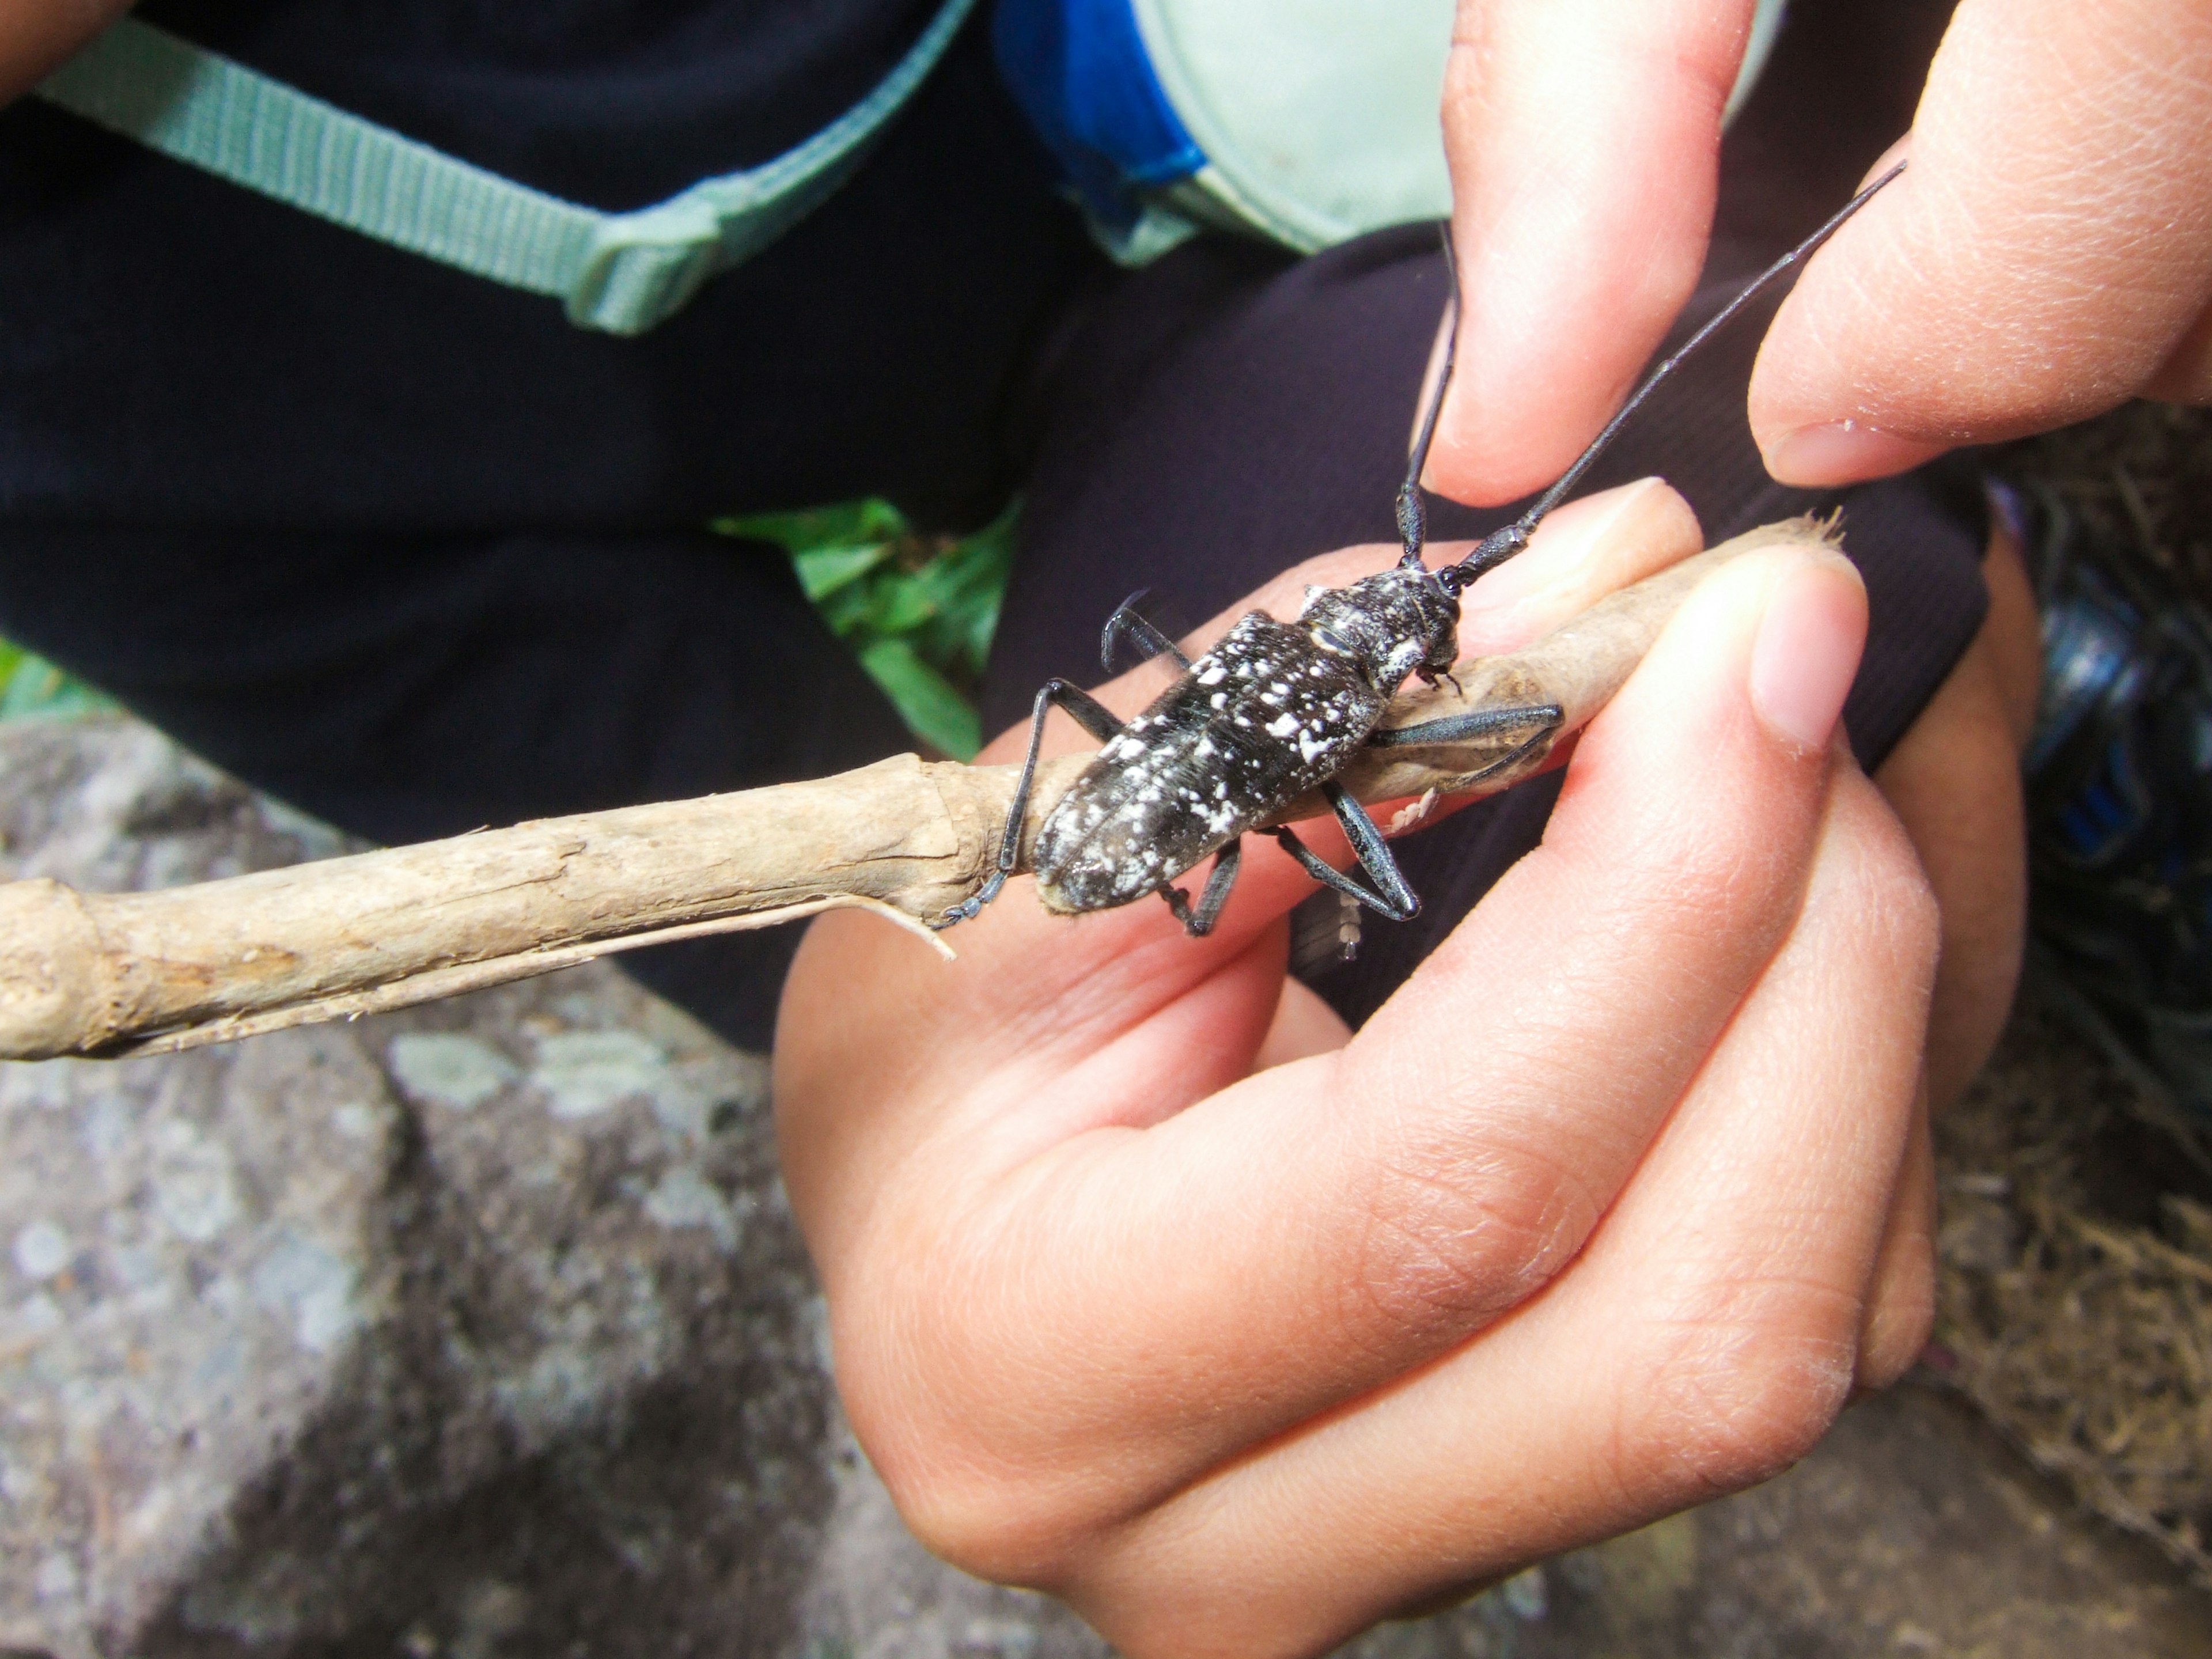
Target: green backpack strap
{"type": "Point", "coordinates": [619, 272]}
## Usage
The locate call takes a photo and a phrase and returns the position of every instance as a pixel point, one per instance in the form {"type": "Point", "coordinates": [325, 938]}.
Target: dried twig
{"type": "Point", "coordinates": [111, 974]}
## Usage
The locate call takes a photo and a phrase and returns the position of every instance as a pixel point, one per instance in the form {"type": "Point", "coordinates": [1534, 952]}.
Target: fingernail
{"type": "Point", "coordinates": [1843, 451]}
{"type": "Point", "coordinates": [1807, 650]}
{"type": "Point", "coordinates": [1564, 543]}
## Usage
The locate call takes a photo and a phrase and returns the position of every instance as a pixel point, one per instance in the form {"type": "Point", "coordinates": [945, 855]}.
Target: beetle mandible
{"type": "Point", "coordinates": [1277, 709]}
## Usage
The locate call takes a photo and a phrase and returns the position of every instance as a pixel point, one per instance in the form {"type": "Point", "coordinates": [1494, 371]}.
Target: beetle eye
{"type": "Point", "coordinates": [1330, 640]}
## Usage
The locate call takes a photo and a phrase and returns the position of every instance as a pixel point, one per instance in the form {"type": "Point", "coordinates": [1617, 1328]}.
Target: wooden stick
{"type": "Point", "coordinates": [120, 974]}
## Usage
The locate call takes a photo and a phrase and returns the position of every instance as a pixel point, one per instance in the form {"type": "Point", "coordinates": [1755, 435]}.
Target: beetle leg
{"type": "Point", "coordinates": [1395, 899]}
{"type": "Point", "coordinates": [1094, 717]}
{"type": "Point", "coordinates": [1476, 723]}
{"type": "Point", "coordinates": [1219, 881]}
{"type": "Point", "coordinates": [1127, 622]}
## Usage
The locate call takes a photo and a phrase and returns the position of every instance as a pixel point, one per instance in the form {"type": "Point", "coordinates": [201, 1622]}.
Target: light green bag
{"type": "Point", "coordinates": [1308, 122]}
{"type": "Point", "coordinates": [1318, 117]}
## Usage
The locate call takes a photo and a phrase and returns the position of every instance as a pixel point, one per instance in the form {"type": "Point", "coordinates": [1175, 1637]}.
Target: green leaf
{"type": "Point", "coordinates": [31, 685]}
{"type": "Point", "coordinates": [902, 604]}
{"type": "Point", "coordinates": [923, 630]}
{"type": "Point", "coordinates": [824, 570]}
{"type": "Point", "coordinates": [932, 710]}
{"type": "Point", "coordinates": [850, 524]}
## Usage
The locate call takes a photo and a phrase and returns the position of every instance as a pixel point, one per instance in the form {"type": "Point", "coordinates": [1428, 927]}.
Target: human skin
{"type": "Point", "coordinates": [2047, 255]}
{"type": "Point", "coordinates": [1152, 1286]}
{"type": "Point", "coordinates": [36, 35]}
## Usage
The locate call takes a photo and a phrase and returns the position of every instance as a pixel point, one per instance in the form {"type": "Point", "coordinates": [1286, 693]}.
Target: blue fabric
{"type": "Point", "coordinates": [1080, 72]}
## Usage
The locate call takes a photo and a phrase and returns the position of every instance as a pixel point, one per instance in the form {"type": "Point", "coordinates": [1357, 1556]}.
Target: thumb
{"type": "Point", "coordinates": [2047, 251]}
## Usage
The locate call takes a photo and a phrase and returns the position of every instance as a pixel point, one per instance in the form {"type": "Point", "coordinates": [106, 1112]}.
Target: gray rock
{"type": "Point", "coordinates": [483, 1328]}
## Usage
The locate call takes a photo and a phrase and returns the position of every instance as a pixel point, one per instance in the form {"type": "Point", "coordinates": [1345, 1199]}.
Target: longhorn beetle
{"type": "Point", "coordinates": [1277, 708]}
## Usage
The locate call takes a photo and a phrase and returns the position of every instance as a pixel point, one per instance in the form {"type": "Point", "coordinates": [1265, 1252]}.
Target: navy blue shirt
{"type": "Point", "coordinates": [176, 350]}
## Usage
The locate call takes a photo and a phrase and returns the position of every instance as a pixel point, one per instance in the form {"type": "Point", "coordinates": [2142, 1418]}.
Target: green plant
{"type": "Point", "coordinates": [31, 685]}
{"type": "Point", "coordinates": [918, 611]}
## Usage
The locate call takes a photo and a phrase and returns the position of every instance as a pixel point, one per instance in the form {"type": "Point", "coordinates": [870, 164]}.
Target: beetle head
{"type": "Point", "coordinates": [1394, 624]}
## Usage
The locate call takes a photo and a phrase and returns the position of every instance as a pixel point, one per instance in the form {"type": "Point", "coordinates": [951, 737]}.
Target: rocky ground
{"type": "Point", "coordinates": [484, 1330]}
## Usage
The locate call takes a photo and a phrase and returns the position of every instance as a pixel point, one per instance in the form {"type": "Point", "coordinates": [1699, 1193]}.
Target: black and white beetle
{"type": "Point", "coordinates": [1277, 709]}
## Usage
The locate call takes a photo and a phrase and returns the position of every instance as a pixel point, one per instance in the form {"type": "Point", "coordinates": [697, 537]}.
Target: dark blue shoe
{"type": "Point", "coordinates": [2120, 797]}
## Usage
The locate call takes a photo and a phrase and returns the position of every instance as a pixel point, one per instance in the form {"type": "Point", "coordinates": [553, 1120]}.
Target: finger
{"type": "Point", "coordinates": [1311, 1232]}
{"type": "Point", "coordinates": [1900, 1304]}
{"type": "Point", "coordinates": [2185, 377]}
{"type": "Point", "coordinates": [1582, 552]}
{"type": "Point", "coordinates": [1583, 138]}
{"type": "Point", "coordinates": [36, 40]}
{"type": "Point", "coordinates": [1953, 780]}
{"type": "Point", "coordinates": [2049, 248]}
{"type": "Point", "coordinates": [906, 1085]}
{"type": "Point", "coordinates": [1304, 1026]}
{"type": "Point", "coordinates": [1704, 1338]}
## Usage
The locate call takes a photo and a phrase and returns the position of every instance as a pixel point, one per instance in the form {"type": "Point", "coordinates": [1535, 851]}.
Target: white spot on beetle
{"type": "Point", "coordinates": [1282, 727]}
{"type": "Point", "coordinates": [1213, 674]}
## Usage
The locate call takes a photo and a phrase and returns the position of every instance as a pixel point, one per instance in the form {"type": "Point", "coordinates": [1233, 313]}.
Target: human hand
{"type": "Point", "coordinates": [2047, 255]}
{"type": "Point", "coordinates": [1152, 1288]}
{"type": "Point", "coordinates": [37, 37]}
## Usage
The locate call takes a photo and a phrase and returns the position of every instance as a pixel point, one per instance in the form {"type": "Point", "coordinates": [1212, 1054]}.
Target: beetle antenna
{"type": "Point", "coordinates": [1412, 515]}
{"type": "Point", "coordinates": [1502, 545]}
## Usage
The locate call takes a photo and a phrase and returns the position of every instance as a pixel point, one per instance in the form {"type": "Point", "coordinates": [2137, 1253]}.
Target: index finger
{"type": "Point", "coordinates": [1584, 141]}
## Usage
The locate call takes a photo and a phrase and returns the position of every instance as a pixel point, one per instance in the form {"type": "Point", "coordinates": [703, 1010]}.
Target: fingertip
{"type": "Point", "coordinates": [1778, 629]}
{"type": "Point", "coordinates": [1583, 138]}
{"type": "Point", "coordinates": [1722, 729]}
{"type": "Point", "coordinates": [1827, 453]}
{"type": "Point", "coordinates": [1901, 1298]}
{"type": "Point", "coordinates": [1491, 449]}
{"type": "Point", "coordinates": [2039, 262]}
{"type": "Point", "coordinates": [1807, 653]}
{"type": "Point", "coordinates": [1586, 550]}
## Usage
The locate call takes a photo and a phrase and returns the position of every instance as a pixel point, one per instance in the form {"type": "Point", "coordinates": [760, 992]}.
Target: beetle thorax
{"type": "Point", "coordinates": [1391, 624]}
